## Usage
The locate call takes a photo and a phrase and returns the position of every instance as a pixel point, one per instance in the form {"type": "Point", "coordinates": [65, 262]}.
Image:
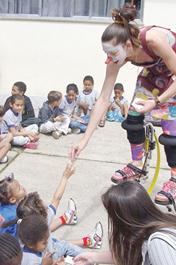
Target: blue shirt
{"type": "Point", "coordinates": [8, 213]}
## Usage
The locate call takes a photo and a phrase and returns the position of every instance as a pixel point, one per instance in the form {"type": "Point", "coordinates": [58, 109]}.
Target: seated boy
{"type": "Point", "coordinates": [118, 110]}
{"type": "Point", "coordinates": [4, 141]}
{"type": "Point", "coordinates": [28, 115]}
{"type": "Point", "coordinates": [49, 116]}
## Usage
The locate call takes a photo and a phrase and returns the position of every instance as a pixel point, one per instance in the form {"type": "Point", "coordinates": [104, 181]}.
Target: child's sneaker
{"type": "Point", "coordinates": [30, 145]}
{"type": "Point", "coordinates": [4, 160]}
{"type": "Point", "coordinates": [76, 130]}
{"type": "Point", "coordinates": [56, 134]}
{"type": "Point", "coordinates": [70, 213]}
{"type": "Point", "coordinates": [96, 236]}
{"type": "Point", "coordinates": [167, 195]}
{"type": "Point", "coordinates": [69, 131]}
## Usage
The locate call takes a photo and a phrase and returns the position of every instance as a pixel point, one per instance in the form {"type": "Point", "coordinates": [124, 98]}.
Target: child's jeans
{"type": "Point", "coordinates": [21, 140]}
{"type": "Point", "coordinates": [64, 248]}
{"type": "Point", "coordinates": [49, 126]}
{"type": "Point", "coordinates": [81, 126]}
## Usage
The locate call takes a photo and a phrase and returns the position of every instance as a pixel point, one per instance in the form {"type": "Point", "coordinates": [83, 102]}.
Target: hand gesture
{"type": "Point", "coordinates": [47, 258]}
{"type": "Point", "coordinates": [1, 138]}
{"type": "Point", "coordinates": [59, 118]}
{"type": "Point", "coordinates": [70, 170]}
{"type": "Point", "coordinates": [81, 120]}
{"type": "Point", "coordinates": [145, 106]}
{"type": "Point", "coordinates": [76, 150]}
{"type": "Point", "coordinates": [59, 261]}
{"type": "Point", "coordinates": [84, 259]}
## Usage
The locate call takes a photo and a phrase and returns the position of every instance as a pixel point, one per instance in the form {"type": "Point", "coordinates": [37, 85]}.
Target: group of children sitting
{"type": "Point", "coordinates": [30, 223]}
{"type": "Point", "coordinates": [58, 116]}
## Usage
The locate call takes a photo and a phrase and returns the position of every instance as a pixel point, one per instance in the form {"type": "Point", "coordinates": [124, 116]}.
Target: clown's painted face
{"type": "Point", "coordinates": [117, 54]}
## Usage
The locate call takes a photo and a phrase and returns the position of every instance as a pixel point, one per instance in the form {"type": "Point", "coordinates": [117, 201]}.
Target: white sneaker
{"type": "Point", "coordinates": [4, 160]}
{"type": "Point", "coordinates": [69, 131]}
{"type": "Point", "coordinates": [56, 134]}
{"type": "Point", "coordinates": [96, 236]}
{"type": "Point", "coordinates": [70, 213]}
{"type": "Point", "coordinates": [76, 130]}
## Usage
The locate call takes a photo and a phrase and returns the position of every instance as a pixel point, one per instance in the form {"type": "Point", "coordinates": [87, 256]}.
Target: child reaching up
{"type": "Point", "coordinates": [50, 120]}
{"type": "Point", "coordinates": [118, 110]}
{"type": "Point", "coordinates": [12, 123]}
{"type": "Point", "coordinates": [33, 232]}
{"type": "Point", "coordinates": [67, 108]}
{"type": "Point", "coordinates": [10, 250]}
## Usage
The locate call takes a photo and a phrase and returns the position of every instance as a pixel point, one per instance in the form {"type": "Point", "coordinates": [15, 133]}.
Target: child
{"type": "Point", "coordinates": [118, 110]}
{"type": "Point", "coordinates": [67, 108]}
{"type": "Point", "coordinates": [33, 232]}
{"type": "Point", "coordinates": [11, 192]}
{"type": "Point", "coordinates": [10, 250]}
{"type": "Point", "coordinates": [28, 115]}
{"type": "Point", "coordinates": [88, 97]}
{"type": "Point", "coordinates": [50, 119]}
{"type": "Point", "coordinates": [4, 142]}
{"type": "Point", "coordinates": [12, 123]}
{"type": "Point", "coordinates": [32, 204]}
{"type": "Point", "coordinates": [140, 233]}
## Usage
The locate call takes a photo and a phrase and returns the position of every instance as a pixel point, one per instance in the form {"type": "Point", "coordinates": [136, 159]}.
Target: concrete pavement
{"type": "Point", "coordinates": [107, 151]}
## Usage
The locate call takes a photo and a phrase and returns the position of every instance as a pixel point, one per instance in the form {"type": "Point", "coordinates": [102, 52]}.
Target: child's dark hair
{"type": "Point", "coordinates": [21, 86]}
{"type": "Point", "coordinates": [1, 111]}
{"type": "Point", "coordinates": [9, 248]}
{"type": "Point", "coordinates": [88, 78]}
{"type": "Point", "coordinates": [118, 86]}
{"type": "Point", "coordinates": [54, 96]}
{"type": "Point", "coordinates": [32, 229]}
{"type": "Point", "coordinates": [12, 100]}
{"type": "Point", "coordinates": [122, 30]}
{"type": "Point", "coordinates": [5, 192]}
{"type": "Point", "coordinates": [29, 205]}
{"type": "Point", "coordinates": [72, 87]}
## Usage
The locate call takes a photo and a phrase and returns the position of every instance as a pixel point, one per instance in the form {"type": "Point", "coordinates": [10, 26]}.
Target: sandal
{"type": "Point", "coordinates": [102, 123]}
{"type": "Point", "coordinates": [167, 195]}
{"type": "Point", "coordinates": [128, 172]}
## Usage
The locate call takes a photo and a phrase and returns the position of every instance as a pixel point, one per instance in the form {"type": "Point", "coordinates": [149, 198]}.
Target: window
{"type": "Point", "coordinates": [70, 9]}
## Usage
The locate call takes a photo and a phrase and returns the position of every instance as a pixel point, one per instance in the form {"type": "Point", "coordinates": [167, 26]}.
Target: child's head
{"type": "Point", "coordinates": [118, 90]}
{"type": "Point", "coordinates": [31, 205]}
{"type": "Point", "coordinates": [16, 102]}
{"type": "Point", "coordinates": [33, 232]}
{"type": "Point", "coordinates": [55, 97]}
{"type": "Point", "coordinates": [11, 191]}
{"type": "Point", "coordinates": [1, 113]}
{"type": "Point", "coordinates": [72, 92]}
{"type": "Point", "coordinates": [10, 250]}
{"type": "Point", "coordinates": [88, 83]}
{"type": "Point", "coordinates": [19, 88]}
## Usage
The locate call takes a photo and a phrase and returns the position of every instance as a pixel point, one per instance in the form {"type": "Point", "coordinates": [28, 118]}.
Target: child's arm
{"type": "Point", "coordinates": [29, 110]}
{"type": "Point", "coordinates": [75, 117]}
{"type": "Point", "coordinates": [21, 132]}
{"type": "Point", "coordinates": [62, 185]}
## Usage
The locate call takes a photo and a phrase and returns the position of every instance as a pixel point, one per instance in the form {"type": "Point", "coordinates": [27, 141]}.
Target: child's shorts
{"type": "Point", "coordinates": [64, 248]}
{"type": "Point", "coordinates": [115, 116]}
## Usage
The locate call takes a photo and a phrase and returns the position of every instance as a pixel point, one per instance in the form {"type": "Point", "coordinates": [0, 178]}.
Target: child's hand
{"type": "Point", "coordinates": [81, 120]}
{"type": "Point", "coordinates": [47, 258]}
{"type": "Point", "coordinates": [1, 138]}
{"type": "Point", "coordinates": [70, 170]}
{"type": "Point", "coordinates": [117, 100]}
{"type": "Point", "coordinates": [32, 134]}
{"type": "Point", "coordinates": [60, 118]}
{"type": "Point", "coordinates": [60, 261]}
{"type": "Point", "coordinates": [84, 105]}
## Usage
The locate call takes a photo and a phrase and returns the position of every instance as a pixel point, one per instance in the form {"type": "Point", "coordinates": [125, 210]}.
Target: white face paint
{"type": "Point", "coordinates": [117, 54]}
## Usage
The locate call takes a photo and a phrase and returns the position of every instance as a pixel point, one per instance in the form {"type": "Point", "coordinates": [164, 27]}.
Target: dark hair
{"type": "Point", "coordinates": [32, 229]}
{"type": "Point", "coordinates": [5, 191]}
{"type": "Point", "coordinates": [29, 205]}
{"type": "Point", "coordinates": [21, 86]}
{"type": "Point", "coordinates": [72, 87]}
{"type": "Point", "coordinates": [54, 96]}
{"type": "Point", "coordinates": [88, 78]}
{"type": "Point", "coordinates": [122, 30]}
{"type": "Point", "coordinates": [12, 100]}
{"type": "Point", "coordinates": [133, 218]}
{"type": "Point", "coordinates": [118, 86]}
{"type": "Point", "coordinates": [9, 249]}
{"type": "Point", "coordinates": [1, 111]}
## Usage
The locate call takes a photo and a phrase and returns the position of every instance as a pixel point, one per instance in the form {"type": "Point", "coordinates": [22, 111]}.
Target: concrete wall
{"type": "Point", "coordinates": [48, 55]}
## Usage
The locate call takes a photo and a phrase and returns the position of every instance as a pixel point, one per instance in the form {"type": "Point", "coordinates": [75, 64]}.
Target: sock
{"type": "Point", "coordinates": [137, 151]}
{"type": "Point", "coordinates": [173, 172]}
{"type": "Point", "coordinates": [86, 241]}
{"type": "Point", "coordinates": [63, 219]}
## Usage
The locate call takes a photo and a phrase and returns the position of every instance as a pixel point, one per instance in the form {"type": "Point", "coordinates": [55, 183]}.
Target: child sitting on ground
{"type": "Point", "coordinates": [88, 97]}
{"type": "Point", "coordinates": [33, 232]}
{"type": "Point", "coordinates": [12, 123]}
{"type": "Point", "coordinates": [67, 108]}
{"type": "Point", "coordinates": [28, 115]}
{"type": "Point", "coordinates": [118, 110]}
{"type": "Point", "coordinates": [4, 141]}
{"type": "Point", "coordinates": [50, 119]}
{"type": "Point", "coordinates": [10, 250]}
{"type": "Point", "coordinates": [32, 204]}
